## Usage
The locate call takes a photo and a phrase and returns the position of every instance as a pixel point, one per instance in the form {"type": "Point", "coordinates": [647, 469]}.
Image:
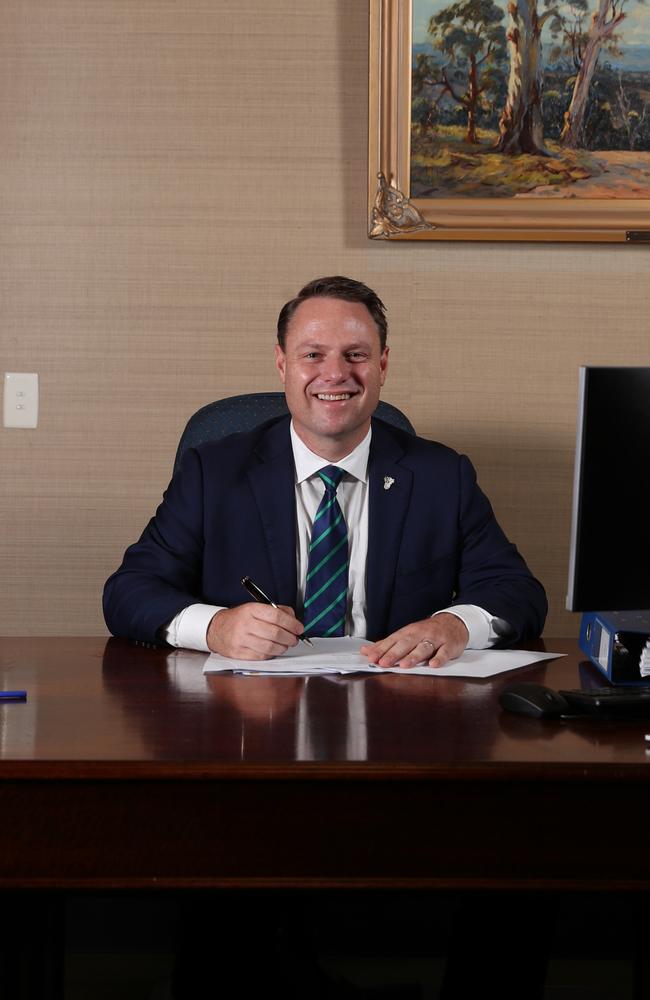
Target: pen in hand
{"type": "Point", "coordinates": [261, 597]}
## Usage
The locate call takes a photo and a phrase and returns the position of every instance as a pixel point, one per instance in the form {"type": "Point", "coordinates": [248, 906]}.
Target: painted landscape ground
{"type": "Point", "coordinates": [499, 112]}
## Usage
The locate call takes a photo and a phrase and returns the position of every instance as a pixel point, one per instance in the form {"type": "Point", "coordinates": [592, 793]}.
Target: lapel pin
{"type": "Point", "coordinates": [388, 482]}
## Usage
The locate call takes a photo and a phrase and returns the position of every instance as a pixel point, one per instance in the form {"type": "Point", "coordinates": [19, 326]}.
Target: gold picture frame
{"type": "Point", "coordinates": [393, 215]}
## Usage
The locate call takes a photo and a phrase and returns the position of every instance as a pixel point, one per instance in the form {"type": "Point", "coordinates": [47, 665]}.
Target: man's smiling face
{"type": "Point", "coordinates": [332, 369]}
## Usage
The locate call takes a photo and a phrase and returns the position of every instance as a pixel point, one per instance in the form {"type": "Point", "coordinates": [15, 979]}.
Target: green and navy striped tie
{"type": "Point", "coordinates": [326, 590]}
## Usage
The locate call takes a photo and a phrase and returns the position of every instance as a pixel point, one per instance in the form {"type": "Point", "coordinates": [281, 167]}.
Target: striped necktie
{"type": "Point", "coordinates": [326, 590]}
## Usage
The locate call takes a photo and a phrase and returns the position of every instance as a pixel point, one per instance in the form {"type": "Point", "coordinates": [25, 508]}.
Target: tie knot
{"type": "Point", "coordinates": [331, 476]}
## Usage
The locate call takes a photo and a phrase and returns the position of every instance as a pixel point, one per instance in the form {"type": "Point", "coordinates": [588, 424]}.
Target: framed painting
{"type": "Point", "coordinates": [509, 120]}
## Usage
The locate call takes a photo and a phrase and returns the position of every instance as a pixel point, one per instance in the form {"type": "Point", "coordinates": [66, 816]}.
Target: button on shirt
{"type": "Point", "coordinates": [189, 628]}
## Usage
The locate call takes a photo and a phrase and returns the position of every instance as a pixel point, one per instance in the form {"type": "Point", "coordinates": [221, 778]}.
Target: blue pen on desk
{"type": "Point", "coordinates": [261, 597]}
{"type": "Point", "coordinates": [13, 696]}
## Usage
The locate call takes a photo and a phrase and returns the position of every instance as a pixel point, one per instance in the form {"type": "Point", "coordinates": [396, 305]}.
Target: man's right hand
{"type": "Point", "coordinates": [253, 631]}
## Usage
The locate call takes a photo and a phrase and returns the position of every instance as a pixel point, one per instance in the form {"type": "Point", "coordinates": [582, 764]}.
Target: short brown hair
{"type": "Point", "coordinates": [336, 287]}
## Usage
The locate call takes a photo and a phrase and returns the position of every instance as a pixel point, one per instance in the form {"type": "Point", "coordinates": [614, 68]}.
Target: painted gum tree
{"type": "Point", "coordinates": [521, 129]}
{"type": "Point", "coordinates": [470, 35]}
{"type": "Point", "coordinates": [606, 19]}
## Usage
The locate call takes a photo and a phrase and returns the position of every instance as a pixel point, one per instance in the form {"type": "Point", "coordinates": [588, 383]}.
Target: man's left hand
{"type": "Point", "coordinates": [433, 640]}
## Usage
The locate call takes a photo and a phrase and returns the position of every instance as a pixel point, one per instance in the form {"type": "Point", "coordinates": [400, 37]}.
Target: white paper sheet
{"type": "Point", "coordinates": [341, 656]}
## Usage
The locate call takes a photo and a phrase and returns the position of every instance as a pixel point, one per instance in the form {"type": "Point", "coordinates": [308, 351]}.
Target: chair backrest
{"type": "Point", "coordinates": [244, 413]}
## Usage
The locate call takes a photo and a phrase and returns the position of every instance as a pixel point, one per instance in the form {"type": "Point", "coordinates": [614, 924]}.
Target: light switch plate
{"type": "Point", "coordinates": [20, 399]}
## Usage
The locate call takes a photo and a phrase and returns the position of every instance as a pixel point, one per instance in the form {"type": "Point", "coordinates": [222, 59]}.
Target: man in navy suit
{"type": "Point", "coordinates": [429, 569]}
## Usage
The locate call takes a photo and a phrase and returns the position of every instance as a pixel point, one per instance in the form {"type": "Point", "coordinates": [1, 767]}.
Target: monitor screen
{"type": "Point", "coordinates": [610, 528]}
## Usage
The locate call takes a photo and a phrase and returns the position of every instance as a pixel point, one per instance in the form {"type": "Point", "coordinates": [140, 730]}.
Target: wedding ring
{"type": "Point", "coordinates": [428, 642]}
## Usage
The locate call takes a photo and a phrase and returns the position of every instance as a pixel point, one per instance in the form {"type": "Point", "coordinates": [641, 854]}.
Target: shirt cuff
{"type": "Point", "coordinates": [189, 628]}
{"type": "Point", "coordinates": [483, 628]}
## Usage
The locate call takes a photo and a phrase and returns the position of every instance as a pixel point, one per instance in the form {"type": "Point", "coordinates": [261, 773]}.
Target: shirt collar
{"type": "Point", "coordinates": [307, 463]}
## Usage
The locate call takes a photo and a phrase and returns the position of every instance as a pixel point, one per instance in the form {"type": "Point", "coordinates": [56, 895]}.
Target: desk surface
{"type": "Point", "coordinates": [128, 767]}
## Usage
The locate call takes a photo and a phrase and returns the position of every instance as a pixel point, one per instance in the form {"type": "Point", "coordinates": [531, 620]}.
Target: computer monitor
{"type": "Point", "coordinates": [610, 528]}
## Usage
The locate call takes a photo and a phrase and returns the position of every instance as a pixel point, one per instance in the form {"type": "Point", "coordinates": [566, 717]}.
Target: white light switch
{"type": "Point", "coordinates": [21, 399]}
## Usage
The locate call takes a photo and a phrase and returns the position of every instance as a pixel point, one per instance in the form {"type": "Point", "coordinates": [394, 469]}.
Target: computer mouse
{"type": "Point", "coordinates": [527, 698]}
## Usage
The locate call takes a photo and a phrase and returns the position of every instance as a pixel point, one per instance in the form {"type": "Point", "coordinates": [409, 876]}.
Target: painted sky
{"type": "Point", "coordinates": [635, 29]}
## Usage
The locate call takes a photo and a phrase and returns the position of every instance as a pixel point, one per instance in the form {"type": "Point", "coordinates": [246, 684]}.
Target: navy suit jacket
{"type": "Point", "coordinates": [433, 539]}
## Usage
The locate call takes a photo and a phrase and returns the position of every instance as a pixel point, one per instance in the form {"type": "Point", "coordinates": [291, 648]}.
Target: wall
{"type": "Point", "coordinates": [171, 172]}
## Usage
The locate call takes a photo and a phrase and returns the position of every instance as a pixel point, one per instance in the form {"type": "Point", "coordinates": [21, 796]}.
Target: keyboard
{"type": "Point", "coordinates": [609, 700]}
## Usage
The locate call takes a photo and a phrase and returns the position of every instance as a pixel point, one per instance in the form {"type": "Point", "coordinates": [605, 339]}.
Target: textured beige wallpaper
{"type": "Point", "coordinates": [170, 173]}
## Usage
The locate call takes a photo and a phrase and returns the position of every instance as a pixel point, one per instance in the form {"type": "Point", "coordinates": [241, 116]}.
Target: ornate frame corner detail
{"type": "Point", "coordinates": [392, 213]}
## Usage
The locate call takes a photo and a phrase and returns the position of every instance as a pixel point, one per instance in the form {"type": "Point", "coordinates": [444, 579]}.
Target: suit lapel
{"type": "Point", "coordinates": [272, 483]}
{"type": "Point", "coordinates": [387, 508]}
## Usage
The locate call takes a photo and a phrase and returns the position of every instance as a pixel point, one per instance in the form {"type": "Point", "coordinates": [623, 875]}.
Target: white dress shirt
{"type": "Point", "coordinates": [189, 628]}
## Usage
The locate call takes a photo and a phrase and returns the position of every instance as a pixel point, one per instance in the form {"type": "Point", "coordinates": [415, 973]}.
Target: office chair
{"type": "Point", "coordinates": [244, 413]}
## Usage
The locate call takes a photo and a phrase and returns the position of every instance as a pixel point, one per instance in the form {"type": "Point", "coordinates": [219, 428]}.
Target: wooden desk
{"type": "Point", "coordinates": [128, 768]}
